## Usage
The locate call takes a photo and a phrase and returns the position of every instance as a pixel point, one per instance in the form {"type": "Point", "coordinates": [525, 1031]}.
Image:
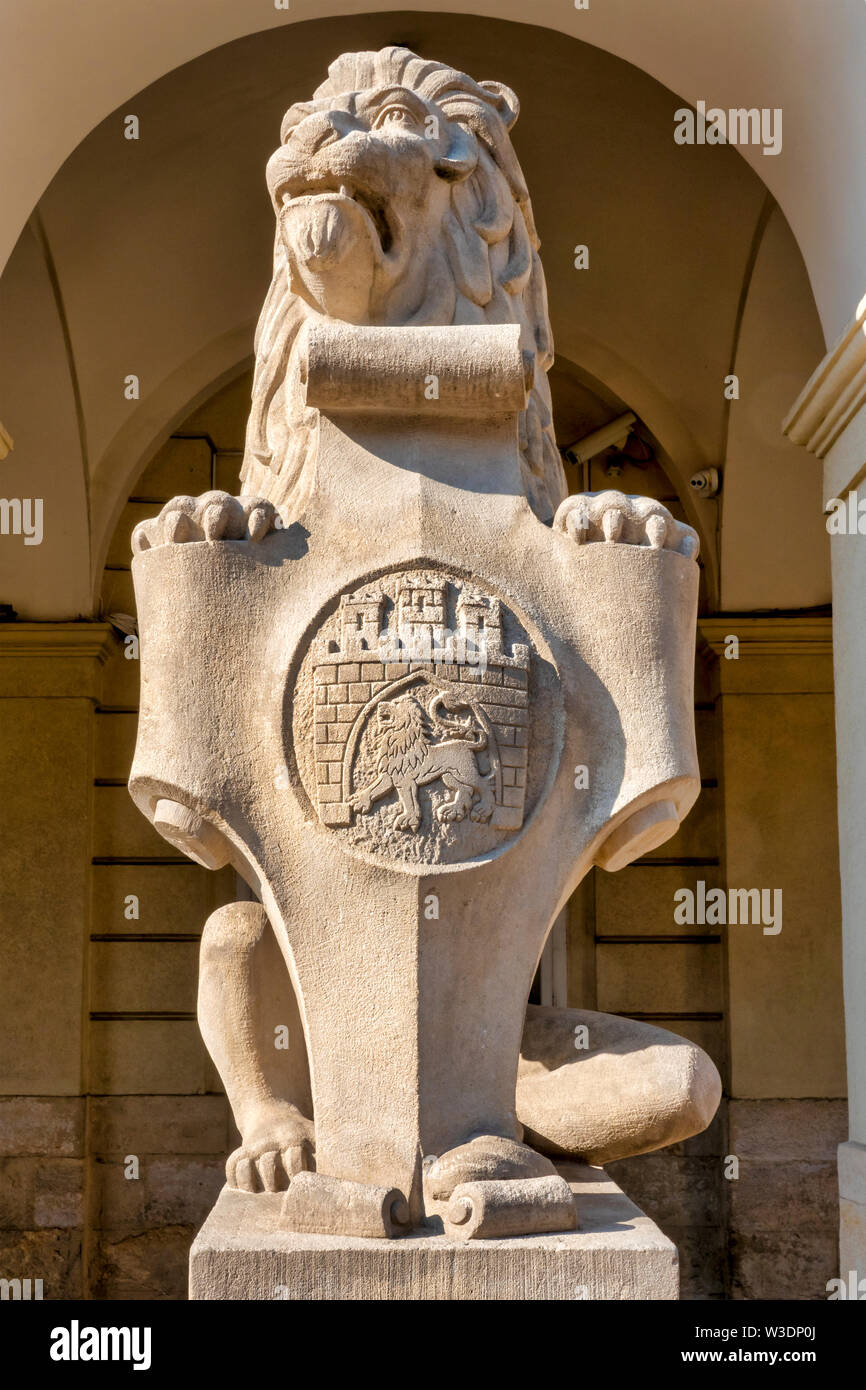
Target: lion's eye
{"type": "Point", "coordinates": [395, 115]}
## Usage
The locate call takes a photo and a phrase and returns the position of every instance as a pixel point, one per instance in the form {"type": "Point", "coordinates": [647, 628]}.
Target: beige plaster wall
{"type": "Point", "coordinates": [50, 678]}
{"type": "Point", "coordinates": [51, 580]}
{"type": "Point", "coordinates": [775, 551]}
{"type": "Point", "coordinates": [778, 784]}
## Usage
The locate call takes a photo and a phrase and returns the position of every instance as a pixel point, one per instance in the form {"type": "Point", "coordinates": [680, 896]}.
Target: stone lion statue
{"type": "Point", "coordinates": [399, 201]}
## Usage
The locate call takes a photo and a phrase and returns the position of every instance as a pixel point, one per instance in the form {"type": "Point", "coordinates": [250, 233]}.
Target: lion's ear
{"type": "Point", "coordinates": [505, 102]}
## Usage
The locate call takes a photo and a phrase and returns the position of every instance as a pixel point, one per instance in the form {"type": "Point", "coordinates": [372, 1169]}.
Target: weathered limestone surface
{"type": "Point", "coordinates": [370, 682]}
{"type": "Point", "coordinates": [241, 1253]}
{"type": "Point", "coordinates": [638, 1088]}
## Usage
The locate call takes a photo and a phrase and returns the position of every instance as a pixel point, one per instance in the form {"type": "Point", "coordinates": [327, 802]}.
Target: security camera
{"type": "Point", "coordinates": [705, 483]}
{"type": "Point", "coordinates": [614, 433]}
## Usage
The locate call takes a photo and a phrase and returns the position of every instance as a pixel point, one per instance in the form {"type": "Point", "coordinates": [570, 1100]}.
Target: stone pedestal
{"type": "Point", "coordinates": [616, 1253]}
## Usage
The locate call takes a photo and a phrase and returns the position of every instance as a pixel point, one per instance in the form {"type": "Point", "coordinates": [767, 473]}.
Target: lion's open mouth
{"type": "Point", "coordinates": [336, 189]}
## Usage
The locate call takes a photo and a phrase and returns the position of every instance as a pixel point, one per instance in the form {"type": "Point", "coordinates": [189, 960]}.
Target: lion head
{"type": "Point", "coordinates": [399, 201]}
{"type": "Point", "coordinates": [402, 735]}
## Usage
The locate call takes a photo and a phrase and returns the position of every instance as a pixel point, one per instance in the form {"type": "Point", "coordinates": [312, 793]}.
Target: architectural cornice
{"type": "Point", "coordinates": [774, 654]}
{"type": "Point", "coordinates": [54, 660]}
{"type": "Point", "coordinates": [770, 634]}
{"type": "Point", "coordinates": [834, 393]}
{"type": "Point", "coordinates": [93, 640]}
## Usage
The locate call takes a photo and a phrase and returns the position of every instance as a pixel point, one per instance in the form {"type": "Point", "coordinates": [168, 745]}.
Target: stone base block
{"type": "Point", "coordinates": [616, 1253]}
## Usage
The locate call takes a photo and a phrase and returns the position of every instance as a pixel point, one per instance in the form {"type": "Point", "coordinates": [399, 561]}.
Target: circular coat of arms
{"type": "Point", "coordinates": [413, 718]}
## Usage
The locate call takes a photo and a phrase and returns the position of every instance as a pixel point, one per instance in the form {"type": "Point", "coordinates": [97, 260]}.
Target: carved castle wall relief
{"type": "Point", "coordinates": [412, 719]}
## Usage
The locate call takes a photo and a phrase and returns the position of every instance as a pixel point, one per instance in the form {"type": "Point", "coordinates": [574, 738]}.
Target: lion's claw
{"type": "Point", "coordinates": [613, 518]}
{"type": "Point", "coordinates": [484, 1158]}
{"type": "Point", "coordinates": [224, 519]}
{"type": "Point", "coordinates": [272, 1156]}
{"type": "Point", "coordinates": [215, 516]}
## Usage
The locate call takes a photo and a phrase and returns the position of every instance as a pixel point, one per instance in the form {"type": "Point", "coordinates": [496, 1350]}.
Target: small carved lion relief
{"type": "Point", "coordinates": [418, 746]}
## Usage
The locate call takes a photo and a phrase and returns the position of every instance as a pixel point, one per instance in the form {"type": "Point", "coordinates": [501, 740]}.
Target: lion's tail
{"type": "Point", "coordinates": [458, 727]}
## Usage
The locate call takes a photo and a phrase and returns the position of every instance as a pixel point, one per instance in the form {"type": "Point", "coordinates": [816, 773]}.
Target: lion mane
{"type": "Point", "coordinates": [491, 272]}
{"type": "Point", "coordinates": [403, 744]}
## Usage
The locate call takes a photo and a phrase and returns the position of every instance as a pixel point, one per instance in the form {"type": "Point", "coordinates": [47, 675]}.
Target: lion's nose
{"type": "Point", "coordinates": [318, 130]}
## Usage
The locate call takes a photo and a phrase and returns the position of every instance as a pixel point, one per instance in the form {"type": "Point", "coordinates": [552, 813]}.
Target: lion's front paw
{"type": "Point", "coordinates": [406, 820]}
{"type": "Point", "coordinates": [361, 801]}
{"type": "Point", "coordinates": [615, 518]}
{"type": "Point", "coordinates": [215, 516]}
{"type": "Point", "coordinates": [450, 811]}
{"type": "Point", "coordinates": [273, 1152]}
{"type": "Point", "coordinates": [485, 1158]}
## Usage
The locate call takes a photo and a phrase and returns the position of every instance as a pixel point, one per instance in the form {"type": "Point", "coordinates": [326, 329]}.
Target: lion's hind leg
{"type": "Point", "coordinates": [485, 805]}
{"type": "Point", "coordinates": [461, 802]}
